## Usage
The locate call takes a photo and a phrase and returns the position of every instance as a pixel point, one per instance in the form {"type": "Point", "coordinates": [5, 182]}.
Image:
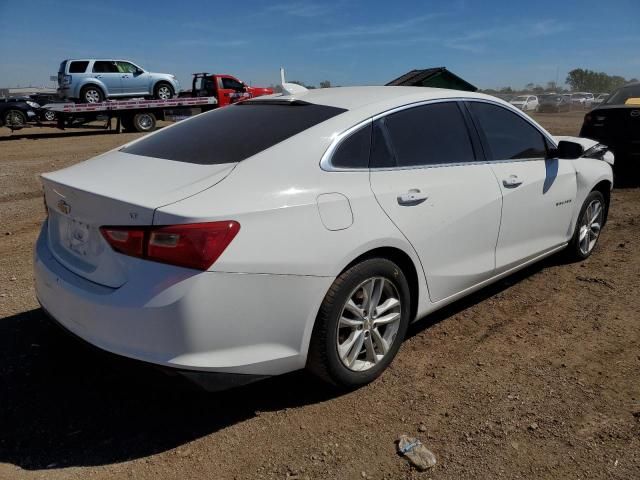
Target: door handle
{"type": "Point", "coordinates": [412, 197]}
{"type": "Point", "coordinates": [512, 182]}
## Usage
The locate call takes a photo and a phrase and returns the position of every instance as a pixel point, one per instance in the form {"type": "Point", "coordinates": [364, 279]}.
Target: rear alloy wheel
{"type": "Point", "coordinates": [361, 324]}
{"type": "Point", "coordinates": [91, 94]}
{"type": "Point", "coordinates": [588, 227]}
{"type": "Point", "coordinates": [15, 119]}
{"type": "Point", "coordinates": [163, 91]}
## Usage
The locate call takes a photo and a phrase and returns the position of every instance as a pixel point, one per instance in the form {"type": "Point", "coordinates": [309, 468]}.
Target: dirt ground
{"type": "Point", "coordinates": [535, 377]}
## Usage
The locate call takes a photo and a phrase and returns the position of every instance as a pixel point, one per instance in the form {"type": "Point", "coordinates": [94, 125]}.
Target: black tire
{"type": "Point", "coordinates": [323, 359]}
{"type": "Point", "coordinates": [49, 116]}
{"type": "Point", "coordinates": [91, 94]}
{"type": "Point", "coordinates": [160, 89]}
{"type": "Point", "coordinates": [144, 122]}
{"type": "Point", "coordinates": [14, 119]}
{"type": "Point", "coordinates": [126, 122]}
{"type": "Point", "coordinates": [573, 250]}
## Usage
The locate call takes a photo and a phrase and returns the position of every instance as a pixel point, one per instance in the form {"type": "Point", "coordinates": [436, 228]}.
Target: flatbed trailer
{"type": "Point", "coordinates": [131, 115]}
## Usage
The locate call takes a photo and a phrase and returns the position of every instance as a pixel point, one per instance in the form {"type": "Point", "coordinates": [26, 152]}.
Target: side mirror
{"type": "Point", "coordinates": [568, 150]}
{"type": "Point", "coordinates": [138, 71]}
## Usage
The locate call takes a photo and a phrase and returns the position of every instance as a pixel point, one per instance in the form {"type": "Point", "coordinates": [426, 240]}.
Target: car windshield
{"type": "Point", "coordinates": [624, 95]}
{"type": "Point", "coordinates": [232, 134]}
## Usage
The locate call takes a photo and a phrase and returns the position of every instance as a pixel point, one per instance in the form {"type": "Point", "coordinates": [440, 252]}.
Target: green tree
{"type": "Point", "coordinates": [325, 84]}
{"type": "Point", "coordinates": [590, 81]}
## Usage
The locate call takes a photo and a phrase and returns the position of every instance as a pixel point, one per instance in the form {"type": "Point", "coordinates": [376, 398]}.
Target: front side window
{"type": "Point", "coordinates": [78, 66]}
{"type": "Point", "coordinates": [507, 134]}
{"type": "Point", "coordinates": [432, 134]}
{"type": "Point", "coordinates": [102, 66]}
{"type": "Point", "coordinates": [126, 67]}
{"type": "Point", "coordinates": [234, 133]}
{"type": "Point", "coordinates": [232, 84]}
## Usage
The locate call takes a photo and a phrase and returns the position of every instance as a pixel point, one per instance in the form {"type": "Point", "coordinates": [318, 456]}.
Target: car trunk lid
{"type": "Point", "coordinates": [114, 189]}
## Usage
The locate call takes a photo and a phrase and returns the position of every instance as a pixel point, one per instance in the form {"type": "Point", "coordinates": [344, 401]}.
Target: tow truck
{"type": "Point", "coordinates": [208, 91]}
{"type": "Point", "coordinates": [227, 89]}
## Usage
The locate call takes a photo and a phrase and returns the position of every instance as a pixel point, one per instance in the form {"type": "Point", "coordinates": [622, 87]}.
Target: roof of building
{"type": "Point", "coordinates": [418, 77]}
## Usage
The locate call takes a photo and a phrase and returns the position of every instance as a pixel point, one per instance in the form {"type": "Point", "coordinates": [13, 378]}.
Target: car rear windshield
{"type": "Point", "coordinates": [234, 133]}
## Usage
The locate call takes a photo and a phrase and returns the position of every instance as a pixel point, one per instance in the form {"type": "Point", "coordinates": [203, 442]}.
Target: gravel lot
{"type": "Point", "coordinates": [536, 377]}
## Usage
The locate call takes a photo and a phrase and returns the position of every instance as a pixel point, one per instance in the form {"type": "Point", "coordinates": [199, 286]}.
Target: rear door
{"type": "Point", "coordinates": [538, 192]}
{"type": "Point", "coordinates": [426, 176]}
{"type": "Point", "coordinates": [107, 72]}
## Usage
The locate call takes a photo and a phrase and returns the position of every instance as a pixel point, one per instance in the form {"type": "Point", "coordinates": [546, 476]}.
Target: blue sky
{"type": "Point", "coordinates": [491, 43]}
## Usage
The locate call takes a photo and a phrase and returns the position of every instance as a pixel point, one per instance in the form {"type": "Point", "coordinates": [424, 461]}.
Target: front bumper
{"type": "Point", "coordinates": [254, 324]}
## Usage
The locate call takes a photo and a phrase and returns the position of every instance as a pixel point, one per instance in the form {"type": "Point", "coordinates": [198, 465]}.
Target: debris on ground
{"type": "Point", "coordinates": [417, 454]}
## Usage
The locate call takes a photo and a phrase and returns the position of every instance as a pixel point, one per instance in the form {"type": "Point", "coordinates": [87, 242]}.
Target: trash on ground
{"type": "Point", "coordinates": [417, 454]}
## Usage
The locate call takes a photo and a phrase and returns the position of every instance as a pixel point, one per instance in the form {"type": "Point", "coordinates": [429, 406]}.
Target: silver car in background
{"type": "Point", "coordinates": [94, 80]}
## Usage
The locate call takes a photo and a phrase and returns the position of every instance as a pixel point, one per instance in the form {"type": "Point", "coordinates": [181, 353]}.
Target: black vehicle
{"type": "Point", "coordinates": [616, 123]}
{"type": "Point", "coordinates": [16, 112]}
{"type": "Point", "coordinates": [43, 99]}
{"type": "Point", "coordinates": [553, 103]}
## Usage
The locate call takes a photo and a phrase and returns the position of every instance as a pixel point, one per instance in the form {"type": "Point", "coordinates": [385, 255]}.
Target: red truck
{"type": "Point", "coordinates": [227, 89]}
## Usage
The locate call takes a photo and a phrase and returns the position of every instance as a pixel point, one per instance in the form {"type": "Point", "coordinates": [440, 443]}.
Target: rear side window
{"type": "Point", "coordinates": [429, 135]}
{"type": "Point", "coordinates": [232, 134]}
{"type": "Point", "coordinates": [78, 67]}
{"type": "Point", "coordinates": [353, 152]}
{"type": "Point", "coordinates": [508, 135]}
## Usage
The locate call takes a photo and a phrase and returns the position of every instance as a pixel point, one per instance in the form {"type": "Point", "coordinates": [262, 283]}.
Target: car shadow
{"type": "Point", "coordinates": [63, 404]}
{"type": "Point", "coordinates": [483, 294]}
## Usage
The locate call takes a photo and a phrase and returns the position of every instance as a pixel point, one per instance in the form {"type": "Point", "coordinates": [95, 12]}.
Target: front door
{"type": "Point", "coordinates": [134, 80]}
{"type": "Point", "coordinates": [538, 192]}
{"type": "Point", "coordinates": [425, 176]}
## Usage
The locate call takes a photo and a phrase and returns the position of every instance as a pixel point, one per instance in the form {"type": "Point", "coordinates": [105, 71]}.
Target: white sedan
{"type": "Point", "coordinates": [308, 230]}
{"type": "Point", "coordinates": [525, 102]}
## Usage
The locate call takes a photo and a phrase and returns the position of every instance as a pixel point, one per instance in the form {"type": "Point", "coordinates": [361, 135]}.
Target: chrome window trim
{"type": "Point", "coordinates": [325, 161]}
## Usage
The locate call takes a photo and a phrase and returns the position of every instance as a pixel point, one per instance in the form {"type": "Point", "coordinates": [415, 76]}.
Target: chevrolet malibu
{"type": "Point", "coordinates": [308, 229]}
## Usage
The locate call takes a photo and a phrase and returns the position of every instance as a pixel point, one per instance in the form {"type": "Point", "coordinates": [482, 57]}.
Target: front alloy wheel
{"type": "Point", "coordinates": [590, 226]}
{"type": "Point", "coordinates": [361, 323]}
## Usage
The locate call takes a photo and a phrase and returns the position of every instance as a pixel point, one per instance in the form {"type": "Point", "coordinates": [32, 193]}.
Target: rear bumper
{"type": "Point", "coordinates": [210, 381]}
{"type": "Point", "coordinates": [253, 324]}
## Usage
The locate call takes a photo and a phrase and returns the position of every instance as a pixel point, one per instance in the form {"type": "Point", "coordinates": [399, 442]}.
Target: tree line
{"type": "Point", "coordinates": [578, 80]}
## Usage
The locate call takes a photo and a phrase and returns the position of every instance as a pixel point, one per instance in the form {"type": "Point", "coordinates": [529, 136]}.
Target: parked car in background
{"type": "Point", "coordinates": [582, 99]}
{"type": "Point", "coordinates": [525, 102]}
{"type": "Point", "coordinates": [350, 213]}
{"type": "Point", "coordinates": [93, 80]}
{"type": "Point", "coordinates": [227, 89]}
{"type": "Point", "coordinates": [600, 98]}
{"type": "Point", "coordinates": [616, 123]}
{"type": "Point", "coordinates": [17, 111]}
{"type": "Point", "coordinates": [553, 103]}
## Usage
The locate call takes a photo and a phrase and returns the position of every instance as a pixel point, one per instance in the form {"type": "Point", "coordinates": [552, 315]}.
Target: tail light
{"type": "Point", "coordinates": [66, 80]}
{"type": "Point", "coordinates": [194, 245]}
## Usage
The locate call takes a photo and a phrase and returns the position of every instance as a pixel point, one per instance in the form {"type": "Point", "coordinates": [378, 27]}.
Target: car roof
{"type": "Point", "coordinates": [373, 98]}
